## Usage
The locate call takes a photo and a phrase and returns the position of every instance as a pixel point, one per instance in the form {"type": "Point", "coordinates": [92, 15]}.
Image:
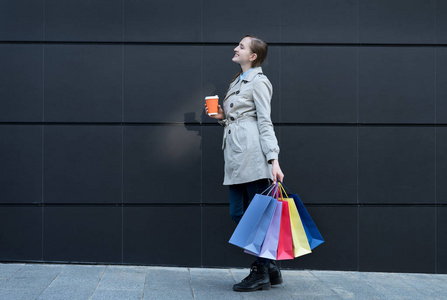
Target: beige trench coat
{"type": "Point", "coordinates": [249, 140]}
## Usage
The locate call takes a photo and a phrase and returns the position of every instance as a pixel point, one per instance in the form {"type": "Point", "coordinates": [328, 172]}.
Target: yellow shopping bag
{"type": "Point", "coordinates": [300, 243]}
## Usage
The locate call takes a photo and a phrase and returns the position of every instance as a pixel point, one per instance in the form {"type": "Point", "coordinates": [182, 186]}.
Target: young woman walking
{"type": "Point", "coordinates": [250, 146]}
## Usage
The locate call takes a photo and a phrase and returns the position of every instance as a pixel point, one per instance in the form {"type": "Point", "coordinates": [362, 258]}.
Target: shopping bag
{"type": "Point", "coordinates": [258, 214]}
{"type": "Point", "coordinates": [257, 236]}
{"type": "Point", "coordinates": [269, 248]}
{"type": "Point", "coordinates": [285, 242]}
{"type": "Point", "coordinates": [300, 243]}
{"type": "Point", "coordinates": [299, 237]}
{"type": "Point", "coordinates": [313, 234]}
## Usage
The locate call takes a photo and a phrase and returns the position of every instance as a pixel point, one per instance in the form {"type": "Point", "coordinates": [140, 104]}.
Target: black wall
{"type": "Point", "coordinates": [107, 157]}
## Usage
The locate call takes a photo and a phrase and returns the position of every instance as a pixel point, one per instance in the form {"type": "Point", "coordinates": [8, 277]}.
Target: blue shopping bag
{"type": "Point", "coordinates": [252, 228]}
{"type": "Point", "coordinates": [313, 235]}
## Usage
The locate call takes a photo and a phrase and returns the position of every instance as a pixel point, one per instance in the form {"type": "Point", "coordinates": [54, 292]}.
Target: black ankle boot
{"type": "Point", "coordinates": [274, 273]}
{"type": "Point", "coordinates": [257, 280]}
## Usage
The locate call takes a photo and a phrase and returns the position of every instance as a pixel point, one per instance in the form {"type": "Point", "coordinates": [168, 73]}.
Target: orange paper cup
{"type": "Point", "coordinates": [211, 104]}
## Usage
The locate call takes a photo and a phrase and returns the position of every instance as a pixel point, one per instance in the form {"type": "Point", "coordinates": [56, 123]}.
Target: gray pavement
{"type": "Point", "coordinates": [58, 281]}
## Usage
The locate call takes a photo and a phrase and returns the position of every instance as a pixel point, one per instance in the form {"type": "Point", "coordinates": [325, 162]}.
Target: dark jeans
{"type": "Point", "coordinates": [240, 197]}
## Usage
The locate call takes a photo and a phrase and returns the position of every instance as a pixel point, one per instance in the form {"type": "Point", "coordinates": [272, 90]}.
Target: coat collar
{"type": "Point", "coordinates": [252, 74]}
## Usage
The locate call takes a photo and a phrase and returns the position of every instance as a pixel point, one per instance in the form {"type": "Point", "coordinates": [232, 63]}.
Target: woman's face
{"type": "Point", "coordinates": [243, 53]}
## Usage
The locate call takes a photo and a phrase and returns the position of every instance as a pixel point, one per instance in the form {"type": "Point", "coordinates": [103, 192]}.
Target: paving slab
{"type": "Point", "coordinates": [30, 281]}
{"type": "Point", "coordinates": [74, 282]}
{"type": "Point", "coordinates": [213, 284]}
{"type": "Point", "coordinates": [8, 270]}
{"type": "Point", "coordinates": [347, 286]}
{"type": "Point", "coordinates": [304, 285]}
{"type": "Point", "coordinates": [426, 284]}
{"type": "Point", "coordinates": [390, 285]}
{"type": "Point", "coordinates": [168, 283]}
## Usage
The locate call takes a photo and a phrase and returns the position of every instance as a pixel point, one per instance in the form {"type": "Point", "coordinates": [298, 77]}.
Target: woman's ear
{"type": "Point", "coordinates": [253, 57]}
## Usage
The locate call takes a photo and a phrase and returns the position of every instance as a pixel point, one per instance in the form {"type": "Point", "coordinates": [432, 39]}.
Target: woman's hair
{"type": "Point", "coordinates": [258, 46]}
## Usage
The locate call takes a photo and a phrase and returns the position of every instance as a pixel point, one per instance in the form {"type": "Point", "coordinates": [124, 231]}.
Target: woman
{"type": "Point", "coordinates": [250, 146]}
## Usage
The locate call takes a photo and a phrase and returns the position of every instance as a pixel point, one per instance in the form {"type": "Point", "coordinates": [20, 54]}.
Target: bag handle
{"type": "Point", "coordinates": [282, 188]}
{"type": "Point", "coordinates": [270, 188]}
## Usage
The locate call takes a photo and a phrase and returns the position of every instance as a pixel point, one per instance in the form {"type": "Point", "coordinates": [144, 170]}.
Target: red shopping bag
{"type": "Point", "coordinates": [285, 242]}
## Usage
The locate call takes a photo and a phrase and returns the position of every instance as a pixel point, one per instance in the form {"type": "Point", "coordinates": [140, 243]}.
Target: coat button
{"type": "Point", "coordinates": [231, 105]}
{"type": "Point", "coordinates": [232, 119]}
{"type": "Point", "coordinates": [237, 92]}
{"type": "Point", "coordinates": [229, 131]}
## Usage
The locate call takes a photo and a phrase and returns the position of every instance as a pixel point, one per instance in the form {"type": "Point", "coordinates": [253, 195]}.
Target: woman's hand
{"type": "Point", "coordinates": [220, 113]}
{"type": "Point", "coordinates": [276, 171]}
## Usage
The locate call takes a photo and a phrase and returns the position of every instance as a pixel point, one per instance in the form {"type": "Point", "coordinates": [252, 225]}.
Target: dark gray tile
{"type": "Point", "coordinates": [396, 84]}
{"type": "Point", "coordinates": [21, 90]}
{"type": "Point", "coordinates": [21, 20]}
{"type": "Point", "coordinates": [83, 83]}
{"type": "Point", "coordinates": [319, 21]}
{"type": "Point", "coordinates": [213, 166]}
{"type": "Point", "coordinates": [223, 23]}
{"type": "Point", "coordinates": [396, 165]}
{"type": "Point", "coordinates": [162, 235]}
{"type": "Point", "coordinates": [397, 239]}
{"type": "Point", "coordinates": [82, 234]}
{"type": "Point", "coordinates": [217, 228]}
{"type": "Point", "coordinates": [163, 21]}
{"type": "Point", "coordinates": [441, 164]}
{"type": "Point", "coordinates": [338, 226]}
{"type": "Point", "coordinates": [21, 233]}
{"type": "Point", "coordinates": [21, 164]}
{"type": "Point", "coordinates": [441, 240]}
{"type": "Point", "coordinates": [159, 159]}
{"type": "Point", "coordinates": [162, 83]}
{"type": "Point", "coordinates": [319, 84]}
{"type": "Point", "coordinates": [399, 21]}
{"type": "Point", "coordinates": [441, 22]}
{"type": "Point", "coordinates": [320, 163]}
{"type": "Point", "coordinates": [84, 20]}
{"type": "Point", "coordinates": [82, 164]}
{"type": "Point", "coordinates": [441, 85]}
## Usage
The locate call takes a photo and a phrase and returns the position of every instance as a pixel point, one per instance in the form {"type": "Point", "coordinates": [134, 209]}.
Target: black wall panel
{"type": "Point", "coordinates": [441, 165]}
{"type": "Point", "coordinates": [441, 22]}
{"type": "Point", "coordinates": [162, 83]}
{"type": "Point", "coordinates": [441, 85]}
{"type": "Point", "coordinates": [397, 239]}
{"type": "Point", "coordinates": [320, 163]}
{"type": "Point", "coordinates": [82, 164]}
{"type": "Point", "coordinates": [21, 77]}
{"type": "Point", "coordinates": [21, 164]}
{"type": "Point", "coordinates": [163, 21]}
{"type": "Point", "coordinates": [397, 165]}
{"type": "Point", "coordinates": [213, 166]}
{"type": "Point", "coordinates": [25, 223]}
{"type": "Point", "coordinates": [162, 164]}
{"type": "Point", "coordinates": [82, 234]}
{"type": "Point", "coordinates": [397, 22]}
{"type": "Point", "coordinates": [21, 20]}
{"type": "Point", "coordinates": [319, 84]}
{"type": "Point", "coordinates": [441, 240]}
{"type": "Point", "coordinates": [107, 156]}
{"type": "Point", "coordinates": [319, 21]}
{"type": "Point", "coordinates": [162, 235]}
{"type": "Point", "coordinates": [227, 22]}
{"type": "Point", "coordinates": [338, 225]}
{"type": "Point", "coordinates": [396, 84]}
{"type": "Point", "coordinates": [83, 20]}
{"type": "Point", "coordinates": [83, 83]}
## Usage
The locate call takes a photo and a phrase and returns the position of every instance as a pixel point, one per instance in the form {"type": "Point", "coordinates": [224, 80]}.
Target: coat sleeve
{"type": "Point", "coordinates": [262, 95]}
